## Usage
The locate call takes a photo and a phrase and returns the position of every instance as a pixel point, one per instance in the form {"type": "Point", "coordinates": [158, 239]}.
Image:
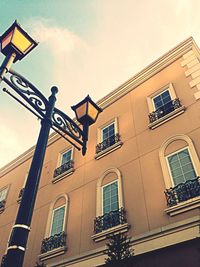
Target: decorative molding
{"type": "Point", "coordinates": [53, 253]}
{"type": "Point", "coordinates": [194, 157]}
{"type": "Point", "coordinates": [121, 228]}
{"type": "Point", "coordinates": [165, 236]}
{"type": "Point", "coordinates": [192, 63]}
{"type": "Point", "coordinates": [51, 208]}
{"type": "Point", "coordinates": [108, 150]}
{"type": "Point", "coordinates": [167, 117]}
{"type": "Point", "coordinates": [99, 189]}
{"type": "Point", "coordinates": [62, 176]}
{"type": "Point", "coordinates": [184, 206]}
{"type": "Point", "coordinates": [162, 62]}
{"type": "Point", "coordinates": [168, 235]}
{"type": "Point", "coordinates": [155, 67]}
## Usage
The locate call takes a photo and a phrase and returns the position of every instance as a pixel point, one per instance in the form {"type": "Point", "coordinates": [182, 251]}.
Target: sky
{"type": "Point", "coordinates": [86, 47]}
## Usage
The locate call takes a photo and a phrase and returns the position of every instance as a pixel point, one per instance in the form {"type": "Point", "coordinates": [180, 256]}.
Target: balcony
{"type": "Point", "coordinates": [64, 170]}
{"type": "Point", "coordinates": [108, 145]}
{"type": "Point", "coordinates": [183, 192]}
{"type": "Point", "coordinates": [165, 113]}
{"type": "Point", "coordinates": [109, 220]}
{"type": "Point", "coordinates": [53, 246]}
{"type": "Point", "coordinates": [2, 205]}
{"type": "Point", "coordinates": [113, 222]}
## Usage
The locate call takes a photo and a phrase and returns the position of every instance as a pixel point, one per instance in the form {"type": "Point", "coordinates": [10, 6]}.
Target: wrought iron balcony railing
{"type": "Point", "coordinates": [183, 192]}
{"type": "Point", "coordinates": [2, 205]}
{"type": "Point", "coordinates": [63, 168]}
{"type": "Point", "coordinates": [109, 220]}
{"type": "Point", "coordinates": [107, 143]}
{"type": "Point", "coordinates": [164, 110]}
{"type": "Point", "coordinates": [53, 242]}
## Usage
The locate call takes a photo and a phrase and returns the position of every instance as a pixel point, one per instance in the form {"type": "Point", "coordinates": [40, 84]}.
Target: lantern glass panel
{"type": "Point", "coordinates": [20, 41]}
{"type": "Point", "coordinates": [6, 40]}
{"type": "Point", "coordinates": [92, 111]}
{"type": "Point", "coordinates": [81, 111]}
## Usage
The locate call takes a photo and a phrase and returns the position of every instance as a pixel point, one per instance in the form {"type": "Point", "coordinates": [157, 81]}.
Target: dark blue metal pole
{"type": "Point", "coordinates": [20, 231]}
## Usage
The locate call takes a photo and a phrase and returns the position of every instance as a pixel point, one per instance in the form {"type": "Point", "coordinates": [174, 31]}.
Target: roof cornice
{"type": "Point", "coordinates": [120, 91]}
{"type": "Point", "coordinates": [149, 71]}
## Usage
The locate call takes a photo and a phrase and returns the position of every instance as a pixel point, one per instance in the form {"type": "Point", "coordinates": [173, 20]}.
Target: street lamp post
{"type": "Point", "coordinates": [31, 98]}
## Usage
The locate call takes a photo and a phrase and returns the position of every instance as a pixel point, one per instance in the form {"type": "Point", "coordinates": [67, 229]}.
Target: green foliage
{"type": "Point", "coordinates": [118, 248]}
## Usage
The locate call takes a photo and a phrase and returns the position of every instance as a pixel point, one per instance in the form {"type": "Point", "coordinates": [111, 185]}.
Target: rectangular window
{"type": "Point", "coordinates": [57, 221]}
{"type": "Point", "coordinates": [3, 194]}
{"type": "Point", "coordinates": [162, 100]}
{"type": "Point", "coordinates": [108, 131]}
{"type": "Point", "coordinates": [66, 156]}
{"type": "Point", "coordinates": [110, 197]}
{"type": "Point", "coordinates": [181, 166]}
{"type": "Point", "coordinates": [163, 105]}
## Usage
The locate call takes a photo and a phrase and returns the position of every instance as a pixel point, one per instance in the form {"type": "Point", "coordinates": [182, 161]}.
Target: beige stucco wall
{"type": "Point", "coordinates": [137, 160]}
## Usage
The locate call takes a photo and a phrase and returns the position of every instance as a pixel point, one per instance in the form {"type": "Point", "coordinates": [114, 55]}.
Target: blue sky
{"type": "Point", "coordinates": [86, 46]}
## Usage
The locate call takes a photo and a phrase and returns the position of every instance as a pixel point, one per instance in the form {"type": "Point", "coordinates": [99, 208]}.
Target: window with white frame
{"type": "Point", "coordinates": [57, 221]}
{"type": "Point", "coordinates": [66, 156]}
{"type": "Point", "coordinates": [108, 139]}
{"type": "Point", "coordinates": [3, 194]}
{"type": "Point", "coordinates": [65, 165]}
{"type": "Point", "coordinates": [108, 132]}
{"type": "Point", "coordinates": [110, 197]}
{"type": "Point", "coordinates": [55, 236]}
{"type": "Point", "coordinates": [162, 100]}
{"type": "Point", "coordinates": [110, 211]}
{"type": "Point", "coordinates": [181, 166]}
{"type": "Point", "coordinates": [162, 105]}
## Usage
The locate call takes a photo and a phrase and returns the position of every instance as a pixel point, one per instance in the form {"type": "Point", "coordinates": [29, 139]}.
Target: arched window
{"type": "Point", "coordinates": [55, 236]}
{"type": "Point", "coordinates": [181, 168]}
{"type": "Point", "coordinates": [110, 212]}
{"type": "Point", "coordinates": [109, 192]}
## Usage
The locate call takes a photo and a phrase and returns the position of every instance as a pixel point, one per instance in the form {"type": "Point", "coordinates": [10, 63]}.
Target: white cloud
{"type": "Point", "coordinates": [9, 144]}
{"type": "Point", "coordinates": [126, 36]}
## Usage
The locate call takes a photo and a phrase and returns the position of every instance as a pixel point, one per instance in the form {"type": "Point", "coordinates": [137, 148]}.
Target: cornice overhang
{"type": "Point", "coordinates": [152, 69]}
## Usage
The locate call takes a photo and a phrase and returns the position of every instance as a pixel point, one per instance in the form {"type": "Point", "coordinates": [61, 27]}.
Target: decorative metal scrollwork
{"type": "Point", "coordinates": [109, 220]}
{"type": "Point", "coordinates": [64, 168]}
{"type": "Point", "coordinates": [64, 122]}
{"type": "Point", "coordinates": [61, 123]}
{"type": "Point", "coordinates": [183, 192]}
{"type": "Point", "coordinates": [27, 91]}
{"type": "Point", "coordinates": [164, 110]}
{"type": "Point", "coordinates": [111, 140]}
{"type": "Point", "coordinates": [53, 242]}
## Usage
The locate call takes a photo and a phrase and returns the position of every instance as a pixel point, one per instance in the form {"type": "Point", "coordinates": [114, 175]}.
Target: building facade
{"type": "Point", "coordinates": [140, 175]}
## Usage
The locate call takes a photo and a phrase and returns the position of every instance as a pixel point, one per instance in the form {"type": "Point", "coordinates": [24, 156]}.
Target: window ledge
{"type": "Point", "coordinates": [62, 176]}
{"type": "Point", "coordinates": [184, 206]}
{"type": "Point", "coordinates": [108, 150]}
{"type": "Point", "coordinates": [167, 117]}
{"type": "Point", "coordinates": [121, 228]}
{"type": "Point", "coordinates": [52, 253]}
